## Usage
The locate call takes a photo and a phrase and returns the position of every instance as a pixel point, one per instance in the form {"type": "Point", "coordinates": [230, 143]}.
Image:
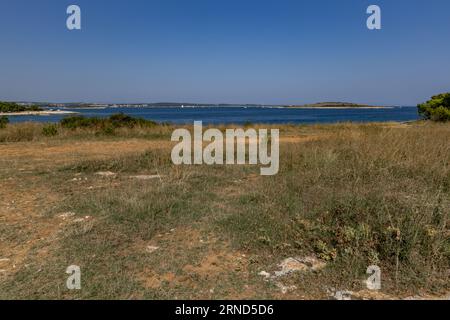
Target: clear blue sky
{"type": "Point", "coordinates": [235, 51]}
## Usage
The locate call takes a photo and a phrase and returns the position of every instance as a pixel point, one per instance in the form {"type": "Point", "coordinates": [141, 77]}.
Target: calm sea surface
{"type": "Point", "coordinates": [240, 115]}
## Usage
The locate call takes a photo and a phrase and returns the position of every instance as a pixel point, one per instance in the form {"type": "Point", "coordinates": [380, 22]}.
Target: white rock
{"type": "Point", "coordinates": [285, 289]}
{"type": "Point", "coordinates": [146, 177]}
{"type": "Point", "coordinates": [151, 249]}
{"type": "Point", "coordinates": [264, 274]}
{"type": "Point", "coordinates": [291, 265]}
{"type": "Point", "coordinates": [342, 295]}
{"type": "Point", "coordinates": [106, 173]}
{"type": "Point", "coordinates": [66, 215]}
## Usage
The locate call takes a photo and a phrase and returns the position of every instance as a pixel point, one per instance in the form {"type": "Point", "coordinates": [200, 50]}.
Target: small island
{"type": "Point", "coordinates": [336, 105]}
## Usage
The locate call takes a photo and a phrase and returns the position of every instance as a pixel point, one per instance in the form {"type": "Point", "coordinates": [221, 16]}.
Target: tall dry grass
{"type": "Point", "coordinates": [359, 195]}
{"type": "Point", "coordinates": [365, 195]}
{"type": "Point", "coordinates": [31, 131]}
{"type": "Point", "coordinates": [354, 196]}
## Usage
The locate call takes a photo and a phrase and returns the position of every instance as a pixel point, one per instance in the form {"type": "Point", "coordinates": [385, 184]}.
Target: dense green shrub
{"type": "Point", "coordinates": [437, 109]}
{"type": "Point", "coordinates": [75, 122]}
{"type": "Point", "coordinates": [123, 120]}
{"type": "Point", "coordinates": [8, 107]}
{"type": "Point", "coordinates": [3, 121]}
{"type": "Point", "coordinates": [50, 130]}
{"type": "Point", "coordinates": [106, 125]}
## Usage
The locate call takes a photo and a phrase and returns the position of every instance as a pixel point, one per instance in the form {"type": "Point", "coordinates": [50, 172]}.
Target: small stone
{"type": "Point", "coordinates": [339, 294]}
{"type": "Point", "coordinates": [291, 265]}
{"type": "Point", "coordinates": [146, 177]}
{"type": "Point", "coordinates": [151, 249]}
{"type": "Point", "coordinates": [66, 215]}
{"type": "Point", "coordinates": [106, 174]}
{"type": "Point", "coordinates": [285, 289]}
{"type": "Point", "coordinates": [264, 274]}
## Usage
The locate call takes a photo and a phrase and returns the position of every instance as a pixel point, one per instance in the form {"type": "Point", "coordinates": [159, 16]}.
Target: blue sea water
{"type": "Point", "coordinates": [240, 115]}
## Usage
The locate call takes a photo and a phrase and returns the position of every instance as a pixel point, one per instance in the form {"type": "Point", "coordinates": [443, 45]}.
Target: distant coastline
{"type": "Point", "coordinates": [99, 106]}
{"type": "Point", "coordinates": [37, 113]}
{"type": "Point", "coordinates": [337, 105]}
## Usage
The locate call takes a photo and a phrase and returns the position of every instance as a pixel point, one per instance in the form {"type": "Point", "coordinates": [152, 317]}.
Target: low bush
{"type": "Point", "coordinates": [3, 122]}
{"type": "Point", "coordinates": [107, 125]}
{"type": "Point", "coordinates": [50, 130]}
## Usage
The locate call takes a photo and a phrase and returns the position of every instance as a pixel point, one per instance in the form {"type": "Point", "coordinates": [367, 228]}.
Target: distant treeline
{"type": "Point", "coordinates": [9, 107]}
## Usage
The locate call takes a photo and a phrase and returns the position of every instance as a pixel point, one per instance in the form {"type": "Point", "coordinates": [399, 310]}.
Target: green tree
{"type": "Point", "coordinates": [437, 109]}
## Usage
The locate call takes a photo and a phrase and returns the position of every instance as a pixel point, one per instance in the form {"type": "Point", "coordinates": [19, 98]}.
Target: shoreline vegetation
{"type": "Point", "coordinates": [12, 107]}
{"type": "Point", "coordinates": [15, 109]}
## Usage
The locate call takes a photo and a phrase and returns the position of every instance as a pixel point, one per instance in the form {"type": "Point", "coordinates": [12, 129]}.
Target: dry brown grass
{"type": "Point", "coordinates": [353, 195]}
